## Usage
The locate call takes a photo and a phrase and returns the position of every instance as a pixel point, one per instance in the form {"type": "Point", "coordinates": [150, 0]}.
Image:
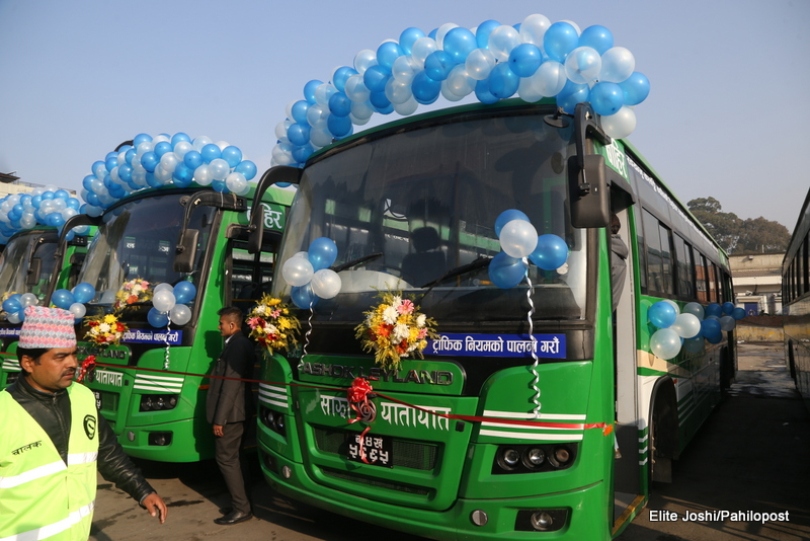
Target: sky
{"type": "Point", "coordinates": [725, 117]}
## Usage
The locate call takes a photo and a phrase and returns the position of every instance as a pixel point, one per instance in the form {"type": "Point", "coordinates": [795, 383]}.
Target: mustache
{"type": "Point", "coordinates": [70, 372]}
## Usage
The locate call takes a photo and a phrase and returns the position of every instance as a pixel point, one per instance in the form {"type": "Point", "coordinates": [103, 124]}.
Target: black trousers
{"type": "Point", "coordinates": [226, 451]}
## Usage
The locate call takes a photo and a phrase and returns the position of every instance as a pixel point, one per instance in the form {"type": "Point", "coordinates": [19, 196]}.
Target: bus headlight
{"type": "Point", "coordinates": [508, 458]}
{"type": "Point", "coordinates": [533, 458]}
{"type": "Point", "coordinates": [274, 420]}
{"type": "Point", "coordinates": [158, 402]}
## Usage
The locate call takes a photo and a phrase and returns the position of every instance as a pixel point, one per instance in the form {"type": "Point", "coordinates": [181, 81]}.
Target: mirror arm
{"type": "Point", "coordinates": [279, 173]}
{"type": "Point", "coordinates": [584, 123]}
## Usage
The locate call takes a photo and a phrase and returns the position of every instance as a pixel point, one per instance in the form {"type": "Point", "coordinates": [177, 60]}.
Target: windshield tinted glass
{"type": "Point", "coordinates": [422, 202]}
{"type": "Point", "coordinates": [15, 264]}
{"type": "Point", "coordinates": [137, 240]}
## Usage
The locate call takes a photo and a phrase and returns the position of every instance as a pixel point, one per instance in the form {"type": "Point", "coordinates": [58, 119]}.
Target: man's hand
{"type": "Point", "coordinates": [218, 431]}
{"type": "Point", "coordinates": [156, 507]}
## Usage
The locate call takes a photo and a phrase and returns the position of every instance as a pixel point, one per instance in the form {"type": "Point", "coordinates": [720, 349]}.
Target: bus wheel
{"type": "Point", "coordinates": [791, 361]}
{"type": "Point", "coordinates": [660, 466]}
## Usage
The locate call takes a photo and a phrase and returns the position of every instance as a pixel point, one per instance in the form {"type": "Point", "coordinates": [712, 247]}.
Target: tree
{"type": "Point", "coordinates": [736, 235]}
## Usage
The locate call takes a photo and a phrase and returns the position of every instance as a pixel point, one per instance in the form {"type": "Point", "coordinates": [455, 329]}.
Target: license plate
{"type": "Point", "coordinates": [97, 394]}
{"type": "Point", "coordinates": [378, 449]}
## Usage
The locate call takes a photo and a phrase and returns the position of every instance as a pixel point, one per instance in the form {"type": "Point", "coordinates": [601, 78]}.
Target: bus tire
{"type": "Point", "coordinates": [663, 432]}
{"type": "Point", "coordinates": [791, 361]}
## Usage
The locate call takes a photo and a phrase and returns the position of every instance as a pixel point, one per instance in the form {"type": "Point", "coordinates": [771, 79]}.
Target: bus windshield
{"type": "Point", "coordinates": [15, 264]}
{"type": "Point", "coordinates": [414, 210]}
{"type": "Point", "coordinates": [137, 240]}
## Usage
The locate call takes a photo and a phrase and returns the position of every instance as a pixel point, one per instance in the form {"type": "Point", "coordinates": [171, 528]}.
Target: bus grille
{"type": "Point", "coordinates": [399, 487]}
{"type": "Point", "coordinates": [407, 454]}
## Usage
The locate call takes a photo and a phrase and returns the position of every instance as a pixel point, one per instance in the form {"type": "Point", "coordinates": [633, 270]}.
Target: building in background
{"type": "Point", "coordinates": [757, 282]}
{"type": "Point", "coordinates": [11, 184]}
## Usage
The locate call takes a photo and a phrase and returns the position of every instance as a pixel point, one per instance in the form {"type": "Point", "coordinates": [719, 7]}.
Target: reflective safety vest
{"type": "Point", "coordinates": [41, 497]}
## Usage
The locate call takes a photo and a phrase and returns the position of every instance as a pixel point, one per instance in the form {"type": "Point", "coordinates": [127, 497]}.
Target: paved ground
{"type": "Point", "coordinates": [752, 455]}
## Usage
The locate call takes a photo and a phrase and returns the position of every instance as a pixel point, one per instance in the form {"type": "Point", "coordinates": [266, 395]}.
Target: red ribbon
{"type": "Point", "coordinates": [359, 393]}
{"type": "Point", "coordinates": [88, 365]}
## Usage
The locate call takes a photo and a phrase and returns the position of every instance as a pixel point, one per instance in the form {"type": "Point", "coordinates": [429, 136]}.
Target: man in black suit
{"type": "Point", "coordinates": [227, 409]}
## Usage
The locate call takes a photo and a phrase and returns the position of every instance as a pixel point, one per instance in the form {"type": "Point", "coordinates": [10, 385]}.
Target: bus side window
{"type": "Point", "coordinates": [712, 283]}
{"type": "Point", "coordinates": [654, 262]}
{"type": "Point", "coordinates": [666, 258]}
{"type": "Point", "coordinates": [248, 279]}
{"type": "Point", "coordinates": [700, 279]}
{"type": "Point", "coordinates": [642, 253]}
{"type": "Point", "coordinates": [683, 262]}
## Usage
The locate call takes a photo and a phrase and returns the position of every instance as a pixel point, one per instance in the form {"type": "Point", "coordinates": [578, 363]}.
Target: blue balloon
{"type": "Point", "coordinates": [507, 216]}
{"type": "Point", "coordinates": [61, 194]}
{"type": "Point", "coordinates": [130, 155]}
{"type": "Point", "coordinates": [376, 77]}
{"type": "Point", "coordinates": [551, 252]}
{"type": "Point", "coordinates": [408, 37]}
{"type": "Point", "coordinates": [247, 168]}
{"type": "Point", "coordinates": [12, 305]}
{"type": "Point", "coordinates": [162, 148]}
{"type": "Point", "coordinates": [597, 37]}
{"type": "Point", "coordinates": [339, 79]}
{"type": "Point", "coordinates": [151, 180]}
{"type": "Point", "coordinates": [309, 90]}
{"type": "Point", "coordinates": [180, 137]}
{"type": "Point", "coordinates": [714, 309]}
{"type": "Point", "coordinates": [193, 159]}
{"type": "Point", "coordinates": [387, 52]}
{"type": "Point", "coordinates": [184, 292]}
{"type": "Point", "coordinates": [738, 313]}
{"type": "Point", "coordinates": [560, 39]}
{"type": "Point", "coordinates": [300, 154]}
{"type": "Point", "coordinates": [149, 161]}
{"type": "Point", "coordinates": [525, 59]}
{"type": "Point", "coordinates": [503, 82]}
{"type": "Point", "coordinates": [606, 98]}
{"type": "Point", "coordinates": [219, 186]}
{"type": "Point", "coordinates": [505, 271]}
{"type": "Point", "coordinates": [36, 201]}
{"type": "Point", "coordinates": [571, 95]}
{"type": "Point", "coordinates": [438, 65]}
{"type": "Point", "coordinates": [141, 138]}
{"type": "Point", "coordinates": [298, 134]}
{"type": "Point", "coordinates": [303, 297]}
{"type": "Point", "coordinates": [299, 111]}
{"type": "Point", "coordinates": [322, 253]}
{"type": "Point", "coordinates": [483, 31]}
{"type": "Point", "coordinates": [156, 318]}
{"type": "Point", "coordinates": [661, 314]}
{"type": "Point", "coordinates": [636, 88]}
{"type": "Point", "coordinates": [728, 308]}
{"type": "Point", "coordinates": [87, 183]}
{"type": "Point", "coordinates": [83, 292]}
{"type": "Point", "coordinates": [62, 298]}
{"type": "Point", "coordinates": [98, 168]}
{"type": "Point", "coordinates": [379, 101]}
{"type": "Point", "coordinates": [459, 43]}
{"type": "Point", "coordinates": [710, 327]}
{"type": "Point", "coordinates": [210, 152]}
{"type": "Point", "coordinates": [339, 104]}
{"type": "Point", "coordinates": [232, 155]}
{"type": "Point", "coordinates": [483, 94]}
{"type": "Point", "coordinates": [183, 174]}
{"type": "Point", "coordinates": [425, 90]}
{"type": "Point", "coordinates": [340, 126]}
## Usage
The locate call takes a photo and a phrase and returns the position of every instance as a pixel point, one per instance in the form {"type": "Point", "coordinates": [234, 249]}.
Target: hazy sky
{"type": "Point", "coordinates": [727, 115]}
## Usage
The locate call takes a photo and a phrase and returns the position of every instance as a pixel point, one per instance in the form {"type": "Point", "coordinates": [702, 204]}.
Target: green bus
{"type": "Point", "coordinates": [151, 388]}
{"type": "Point", "coordinates": [31, 263]}
{"type": "Point", "coordinates": [796, 303]}
{"type": "Point", "coordinates": [460, 448]}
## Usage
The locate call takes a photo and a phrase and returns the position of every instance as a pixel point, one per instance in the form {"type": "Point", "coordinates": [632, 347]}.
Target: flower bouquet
{"type": "Point", "coordinates": [395, 329]}
{"type": "Point", "coordinates": [271, 324]}
{"type": "Point", "coordinates": [105, 330]}
{"type": "Point", "coordinates": [132, 291]}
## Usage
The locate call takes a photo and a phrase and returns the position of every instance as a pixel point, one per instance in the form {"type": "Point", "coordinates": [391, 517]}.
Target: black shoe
{"type": "Point", "coordinates": [234, 517]}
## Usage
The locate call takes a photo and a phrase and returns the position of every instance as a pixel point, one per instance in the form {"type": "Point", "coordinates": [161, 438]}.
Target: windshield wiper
{"type": "Point", "coordinates": [357, 261]}
{"type": "Point", "coordinates": [481, 261]}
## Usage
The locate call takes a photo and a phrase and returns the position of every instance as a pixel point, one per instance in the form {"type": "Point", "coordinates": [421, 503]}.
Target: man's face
{"type": "Point", "coordinates": [227, 327]}
{"type": "Point", "coordinates": [54, 371]}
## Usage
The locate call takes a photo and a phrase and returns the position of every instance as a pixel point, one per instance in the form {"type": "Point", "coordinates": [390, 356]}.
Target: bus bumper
{"type": "Point", "coordinates": [183, 440]}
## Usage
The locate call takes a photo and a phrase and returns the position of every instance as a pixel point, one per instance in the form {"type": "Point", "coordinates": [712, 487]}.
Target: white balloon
{"type": "Point", "coordinates": [621, 124]}
{"type": "Point", "coordinates": [533, 29]}
{"type": "Point", "coordinates": [404, 69]}
{"type": "Point", "coordinates": [78, 310]}
{"type": "Point", "coordinates": [398, 91]}
{"type": "Point", "coordinates": [618, 64]}
{"type": "Point", "coordinates": [421, 50]}
{"type": "Point", "coordinates": [169, 162]}
{"type": "Point", "coordinates": [180, 149]}
{"type": "Point", "coordinates": [297, 271]}
{"type": "Point", "coordinates": [355, 89]}
{"type": "Point", "coordinates": [164, 286]}
{"type": "Point", "coordinates": [14, 318]}
{"type": "Point", "coordinates": [364, 60]}
{"type": "Point", "coordinates": [502, 40]}
{"type": "Point", "coordinates": [727, 323]}
{"type": "Point", "coordinates": [219, 169]}
{"type": "Point", "coordinates": [550, 78]}
{"type": "Point", "coordinates": [479, 63]}
{"type": "Point", "coordinates": [686, 325]}
{"type": "Point", "coordinates": [406, 108]}
{"type": "Point", "coordinates": [28, 299]}
{"type": "Point", "coordinates": [582, 65]}
{"type": "Point", "coordinates": [180, 314]}
{"type": "Point", "coordinates": [459, 81]}
{"type": "Point", "coordinates": [442, 31]}
{"type": "Point", "coordinates": [163, 301]}
{"type": "Point", "coordinates": [665, 343]}
{"type": "Point", "coordinates": [202, 175]}
{"type": "Point", "coordinates": [237, 183]}
{"type": "Point", "coordinates": [518, 238]}
{"type": "Point", "coordinates": [326, 283]}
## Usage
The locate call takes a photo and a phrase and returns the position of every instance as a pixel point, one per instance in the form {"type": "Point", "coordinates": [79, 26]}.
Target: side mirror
{"type": "Point", "coordinates": [34, 270]}
{"type": "Point", "coordinates": [588, 194]}
{"type": "Point", "coordinates": [186, 251]}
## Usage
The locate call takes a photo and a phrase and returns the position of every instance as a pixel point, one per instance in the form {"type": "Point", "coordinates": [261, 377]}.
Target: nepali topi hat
{"type": "Point", "coordinates": [47, 328]}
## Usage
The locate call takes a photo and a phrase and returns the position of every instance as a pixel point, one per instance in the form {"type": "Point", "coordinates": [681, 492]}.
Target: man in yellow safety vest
{"type": "Point", "coordinates": [54, 440]}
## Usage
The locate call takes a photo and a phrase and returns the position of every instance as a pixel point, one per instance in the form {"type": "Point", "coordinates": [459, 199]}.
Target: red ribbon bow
{"type": "Point", "coordinates": [358, 395]}
{"type": "Point", "coordinates": [88, 365]}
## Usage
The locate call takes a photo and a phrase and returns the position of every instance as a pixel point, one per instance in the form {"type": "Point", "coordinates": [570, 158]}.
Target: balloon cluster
{"type": "Point", "coordinates": [688, 328]}
{"type": "Point", "coordinates": [175, 160]}
{"type": "Point", "coordinates": [309, 274]}
{"type": "Point", "coordinates": [14, 306]}
{"type": "Point", "coordinates": [534, 59]}
{"type": "Point", "coordinates": [519, 245]}
{"type": "Point", "coordinates": [169, 304]}
{"type": "Point", "coordinates": [41, 207]}
{"type": "Point", "coordinates": [74, 299]}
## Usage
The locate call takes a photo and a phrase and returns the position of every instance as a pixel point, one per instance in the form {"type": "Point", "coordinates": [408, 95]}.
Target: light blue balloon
{"type": "Point", "coordinates": [12, 305]}
{"type": "Point", "coordinates": [309, 90]}
{"type": "Point", "coordinates": [141, 138]}
{"type": "Point", "coordinates": [636, 88]}
{"type": "Point", "coordinates": [156, 318]}
{"type": "Point", "coordinates": [303, 297]}
{"type": "Point", "coordinates": [559, 40]}
{"type": "Point", "coordinates": [503, 82]}
{"type": "Point", "coordinates": [459, 43]}
{"type": "Point", "coordinates": [606, 98]}
{"type": "Point", "coordinates": [376, 77]}
{"type": "Point", "coordinates": [62, 298]}
{"type": "Point", "coordinates": [483, 94]}
{"type": "Point", "coordinates": [339, 104]}
{"type": "Point", "coordinates": [507, 216]}
{"type": "Point", "coordinates": [184, 292]}
{"type": "Point", "coordinates": [483, 31]}
{"type": "Point", "coordinates": [387, 52]}
{"type": "Point", "coordinates": [300, 155]}
{"type": "Point", "coordinates": [408, 37]}
{"type": "Point", "coordinates": [160, 149]}
{"type": "Point", "coordinates": [551, 252]}
{"type": "Point", "coordinates": [506, 272]}
{"type": "Point", "coordinates": [232, 155]}
{"type": "Point", "coordinates": [193, 159]}
{"type": "Point", "coordinates": [340, 126]}
{"type": "Point", "coordinates": [438, 65]}
{"type": "Point", "coordinates": [298, 133]}
{"type": "Point", "coordinates": [83, 292]}
{"type": "Point", "coordinates": [571, 95]}
{"type": "Point", "coordinates": [180, 137]}
{"type": "Point", "coordinates": [525, 59]}
{"type": "Point", "coordinates": [149, 161]}
{"type": "Point", "coordinates": [661, 314]}
{"type": "Point", "coordinates": [340, 77]}
{"type": "Point", "coordinates": [322, 253]}
{"type": "Point", "coordinates": [247, 168]}
{"type": "Point", "coordinates": [380, 101]}
{"type": "Point", "coordinates": [597, 37]}
{"type": "Point", "coordinates": [425, 90]}
{"type": "Point", "coordinates": [209, 152]}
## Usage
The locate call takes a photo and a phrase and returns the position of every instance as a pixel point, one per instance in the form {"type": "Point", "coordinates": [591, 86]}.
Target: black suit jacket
{"type": "Point", "coordinates": [228, 399]}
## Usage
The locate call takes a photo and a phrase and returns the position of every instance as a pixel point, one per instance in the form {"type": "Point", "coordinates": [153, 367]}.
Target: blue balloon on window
{"type": "Point", "coordinates": [571, 95]}
{"type": "Point", "coordinates": [303, 297]}
{"type": "Point", "coordinates": [184, 292]}
{"type": "Point", "coordinates": [714, 309]}
{"type": "Point", "coordinates": [503, 82]}
{"type": "Point", "coordinates": [219, 186]}
{"type": "Point", "coordinates": [551, 252]}
{"type": "Point", "coordinates": [661, 314]}
{"type": "Point", "coordinates": [728, 308]}
{"type": "Point", "coordinates": [300, 155]}
{"type": "Point", "coordinates": [505, 271]}
{"type": "Point", "coordinates": [322, 253]}
{"type": "Point", "coordinates": [62, 298]}
{"type": "Point", "coordinates": [157, 319]}
{"type": "Point", "coordinates": [83, 292]}
{"type": "Point", "coordinates": [710, 328]}
{"type": "Point", "coordinates": [507, 216]}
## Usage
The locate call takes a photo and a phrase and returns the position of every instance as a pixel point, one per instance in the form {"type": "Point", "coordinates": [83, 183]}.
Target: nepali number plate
{"type": "Point", "coordinates": [378, 450]}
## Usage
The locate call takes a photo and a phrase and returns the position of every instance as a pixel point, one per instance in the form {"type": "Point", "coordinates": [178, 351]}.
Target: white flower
{"type": "Point", "coordinates": [271, 329]}
{"type": "Point", "coordinates": [260, 310]}
{"type": "Point", "coordinates": [401, 332]}
{"type": "Point", "coordinates": [396, 301]}
{"type": "Point", "coordinates": [420, 321]}
{"type": "Point", "coordinates": [390, 315]}
{"type": "Point", "coordinates": [104, 328]}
